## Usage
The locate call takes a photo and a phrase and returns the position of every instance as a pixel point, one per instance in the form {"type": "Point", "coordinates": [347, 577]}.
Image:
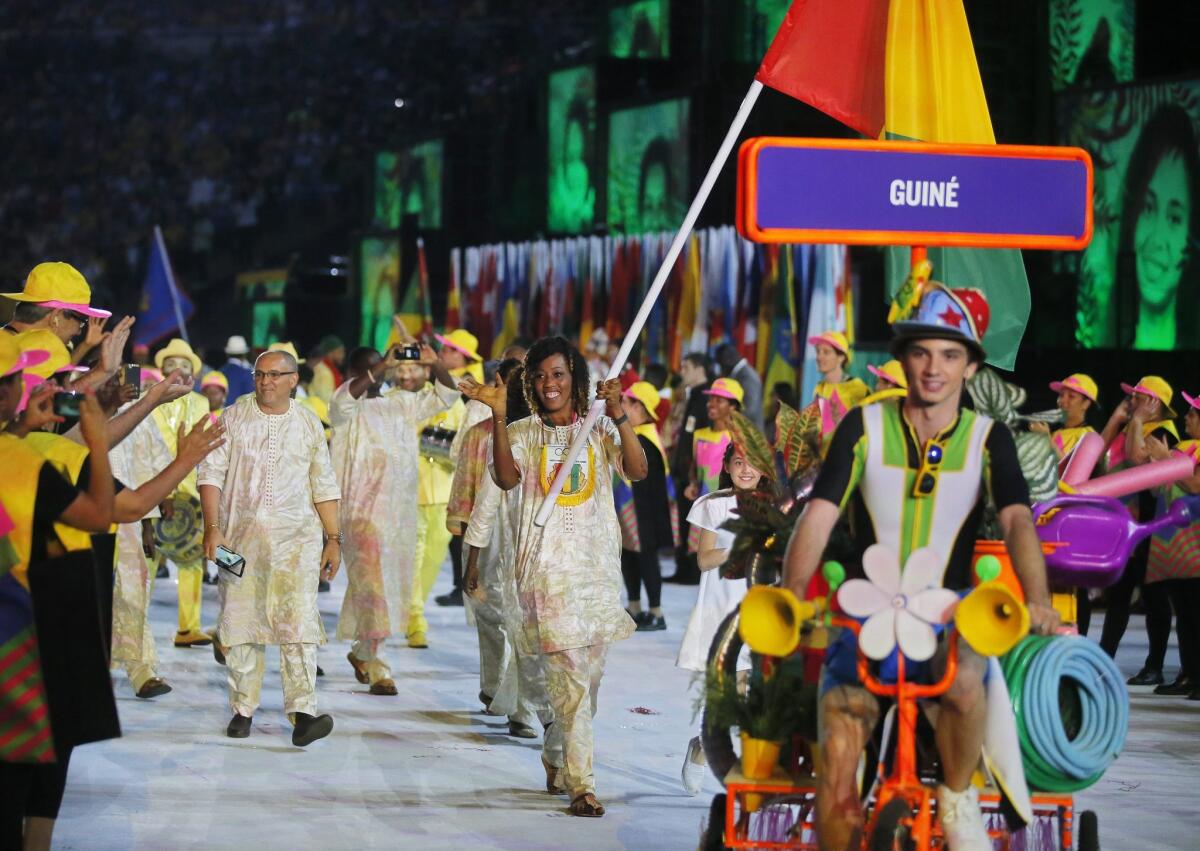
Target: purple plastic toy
{"type": "Point", "coordinates": [1098, 536]}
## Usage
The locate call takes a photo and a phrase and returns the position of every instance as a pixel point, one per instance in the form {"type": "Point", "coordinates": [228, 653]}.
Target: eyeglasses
{"type": "Point", "coordinates": [931, 465]}
{"type": "Point", "coordinates": [274, 375]}
{"type": "Point", "coordinates": [76, 317]}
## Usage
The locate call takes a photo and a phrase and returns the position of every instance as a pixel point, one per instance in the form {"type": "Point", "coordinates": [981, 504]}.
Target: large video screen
{"type": "Point", "coordinates": [571, 134]}
{"type": "Point", "coordinates": [648, 167]}
{"type": "Point", "coordinates": [269, 323]}
{"type": "Point", "coordinates": [1139, 279]}
{"type": "Point", "coordinates": [408, 182]}
{"type": "Point", "coordinates": [378, 287]}
{"type": "Point", "coordinates": [640, 30]}
{"type": "Point", "coordinates": [1091, 42]}
{"type": "Point", "coordinates": [756, 23]}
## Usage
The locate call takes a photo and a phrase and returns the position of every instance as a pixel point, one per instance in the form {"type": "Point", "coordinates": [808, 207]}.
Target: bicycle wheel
{"type": "Point", "coordinates": [1089, 832]}
{"type": "Point", "coordinates": [714, 834]}
{"type": "Point", "coordinates": [722, 659]}
{"type": "Point", "coordinates": [890, 834]}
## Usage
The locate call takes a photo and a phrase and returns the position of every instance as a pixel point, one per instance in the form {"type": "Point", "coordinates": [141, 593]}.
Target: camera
{"type": "Point", "coordinates": [410, 351]}
{"type": "Point", "coordinates": [67, 404]}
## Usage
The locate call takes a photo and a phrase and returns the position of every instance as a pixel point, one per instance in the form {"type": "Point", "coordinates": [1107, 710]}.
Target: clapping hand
{"type": "Point", "coordinates": [195, 445]}
{"type": "Point", "coordinates": [174, 386]}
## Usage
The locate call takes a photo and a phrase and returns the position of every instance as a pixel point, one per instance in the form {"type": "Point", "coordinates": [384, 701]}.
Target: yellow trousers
{"type": "Point", "coordinates": [191, 587]}
{"type": "Point", "coordinates": [190, 581]}
{"type": "Point", "coordinates": [433, 543]}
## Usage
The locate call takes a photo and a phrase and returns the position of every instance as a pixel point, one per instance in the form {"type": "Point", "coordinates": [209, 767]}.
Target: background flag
{"type": "Point", "coordinates": [830, 55]}
{"type": "Point", "coordinates": [165, 308]}
{"type": "Point", "coordinates": [904, 69]}
{"type": "Point", "coordinates": [934, 94]}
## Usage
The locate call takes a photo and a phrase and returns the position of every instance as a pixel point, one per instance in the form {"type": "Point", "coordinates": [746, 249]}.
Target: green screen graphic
{"type": "Point", "coordinates": [378, 284]}
{"type": "Point", "coordinates": [386, 192]}
{"type": "Point", "coordinates": [1091, 42]}
{"type": "Point", "coordinates": [1139, 279]}
{"type": "Point", "coordinates": [269, 321]}
{"type": "Point", "coordinates": [648, 167]}
{"type": "Point", "coordinates": [571, 133]}
{"type": "Point", "coordinates": [409, 182]}
{"type": "Point", "coordinates": [756, 24]}
{"type": "Point", "coordinates": [640, 30]}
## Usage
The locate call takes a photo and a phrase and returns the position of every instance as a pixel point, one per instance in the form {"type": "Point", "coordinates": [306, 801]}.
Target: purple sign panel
{"type": "Point", "coordinates": [820, 190]}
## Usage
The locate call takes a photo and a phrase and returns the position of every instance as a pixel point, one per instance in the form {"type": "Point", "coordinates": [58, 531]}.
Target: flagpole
{"type": "Point", "coordinates": [639, 321]}
{"type": "Point", "coordinates": [158, 239]}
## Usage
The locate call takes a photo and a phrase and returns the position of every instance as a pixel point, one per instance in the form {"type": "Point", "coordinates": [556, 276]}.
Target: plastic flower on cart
{"type": "Point", "coordinates": [899, 607]}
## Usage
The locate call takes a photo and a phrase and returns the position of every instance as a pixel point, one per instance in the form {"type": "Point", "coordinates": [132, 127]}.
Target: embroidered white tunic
{"type": "Point", "coordinates": [271, 471]}
{"type": "Point", "coordinates": [137, 459]}
{"type": "Point", "coordinates": [568, 574]}
{"type": "Point", "coordinates": [375, 449]}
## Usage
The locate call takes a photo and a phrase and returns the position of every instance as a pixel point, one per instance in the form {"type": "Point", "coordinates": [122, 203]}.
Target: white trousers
{"type": "Point", "coordinates": [245, 663]}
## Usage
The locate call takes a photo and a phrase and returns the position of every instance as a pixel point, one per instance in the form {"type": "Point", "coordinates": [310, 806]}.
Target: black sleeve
{"type": "Point", "coordinates": [1007, 482]}
{"type": "Point", "coordinates": [650, 499]}
{"type": "Point", "coordinates": [837, 470]}
{"type": "Point", "coordinates": [83, 481]}
{"type": "Point", "coordinates": [54, 495]}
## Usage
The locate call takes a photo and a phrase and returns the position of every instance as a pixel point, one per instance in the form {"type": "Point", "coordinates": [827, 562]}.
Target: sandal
{"type": "Point", "coordinates": [360, 669]}
{"type": "Point", "coordinates": [586, 806]}
{"type": "Point", "coordinates": [552, 782]}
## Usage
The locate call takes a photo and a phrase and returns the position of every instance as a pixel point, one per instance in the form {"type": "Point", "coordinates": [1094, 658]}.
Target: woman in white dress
{"type": "Point", "coordinates": [568, 573]}
{"type": "Point", "coordinates": [717, 597]}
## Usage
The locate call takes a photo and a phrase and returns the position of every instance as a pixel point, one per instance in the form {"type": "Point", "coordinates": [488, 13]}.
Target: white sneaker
{"type": "Point", "coordinates": [962, 820]}
{"type": "Point", "coordinates": [694, 767]}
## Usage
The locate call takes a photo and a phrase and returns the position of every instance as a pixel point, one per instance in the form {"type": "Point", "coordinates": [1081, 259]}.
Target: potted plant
{"type": "Point", "coordinates": [768, 710]}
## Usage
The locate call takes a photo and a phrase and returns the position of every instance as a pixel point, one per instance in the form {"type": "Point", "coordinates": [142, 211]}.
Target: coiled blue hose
{"type": "Point", "coordinates": [1047, 677]}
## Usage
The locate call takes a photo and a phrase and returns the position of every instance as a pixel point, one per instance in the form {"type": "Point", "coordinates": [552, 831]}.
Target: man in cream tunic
{"type": "Point", "coordinates": [269, 494]}
{"type": "Point", "coordinates": [375, 455]}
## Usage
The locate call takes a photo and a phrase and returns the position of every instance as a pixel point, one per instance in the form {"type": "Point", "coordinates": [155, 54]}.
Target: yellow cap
{"type": "Point", "coordinates": [216, 379]}
{"type": "Point", "coordinates": [289, 348]}
{"type": "Point", "coordinates": [644, 392]}
{"type": "Point", "coordinates": [1080, 383]}
{"type": "Point", "coordinates": [463, 340]}
{"type": "Point", "coordinates": [178, 348]}
{"type": "Point", "coordinates": [891, 371]}
{"type": "Point", "coordinates": [834, 339]}
{"type": "Point", "coordinates": [726, 388]}
{"type": "Point", "coordinates": [44, 340]}
{"type": "Point", "coordinates": [15, 359]}
{"type": "Point", "coordinates": [58, 285]}
{"type": "Point", "coordinates": [1156, 386]}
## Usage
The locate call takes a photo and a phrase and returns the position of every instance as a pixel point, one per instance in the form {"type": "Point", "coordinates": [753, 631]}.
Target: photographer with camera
{"type": "Point", "coordinates": [375, 455]}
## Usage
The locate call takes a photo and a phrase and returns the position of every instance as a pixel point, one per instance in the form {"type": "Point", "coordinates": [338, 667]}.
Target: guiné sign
{"type": "Point", "coordinates": [909, 193]}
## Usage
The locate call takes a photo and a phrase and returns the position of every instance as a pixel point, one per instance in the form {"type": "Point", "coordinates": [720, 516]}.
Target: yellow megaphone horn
{"type": "Point", "coordinates": [992, 619]}
{"type": "Point", "coordinates": [770, 620]}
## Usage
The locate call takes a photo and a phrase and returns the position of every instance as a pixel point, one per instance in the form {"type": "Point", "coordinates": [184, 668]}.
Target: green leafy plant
{"type": "Point", "coordinates": [998, 399]}
{"type": "Point", "coordinates": [754, 445]}
{"type": "Point", "coordinates": [773, 707]}
{"type": "Point", "coordinates": [798, 439]}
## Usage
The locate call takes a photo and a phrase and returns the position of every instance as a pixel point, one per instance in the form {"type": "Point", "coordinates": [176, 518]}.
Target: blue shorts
{"type": "Point", "coordinates": [841, 663]}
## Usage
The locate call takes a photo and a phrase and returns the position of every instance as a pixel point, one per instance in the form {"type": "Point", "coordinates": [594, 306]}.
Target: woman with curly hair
{"type": "Point", "coordinates": [569, 572]}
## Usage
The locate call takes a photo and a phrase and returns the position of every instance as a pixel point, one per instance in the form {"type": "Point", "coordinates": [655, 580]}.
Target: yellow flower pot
{"type": "Point", "coordinates": [759, 757]}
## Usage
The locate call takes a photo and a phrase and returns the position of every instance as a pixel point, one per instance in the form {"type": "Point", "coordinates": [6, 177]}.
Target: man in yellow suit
{"type": "Point", "coordinates": [189, 554]}
{"type": "Point", "coordinates": [434, 474]}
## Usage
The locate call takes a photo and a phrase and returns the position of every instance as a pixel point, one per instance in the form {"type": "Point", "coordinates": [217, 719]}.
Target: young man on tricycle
{"type": "Point", "coordinates": [917, 472]}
